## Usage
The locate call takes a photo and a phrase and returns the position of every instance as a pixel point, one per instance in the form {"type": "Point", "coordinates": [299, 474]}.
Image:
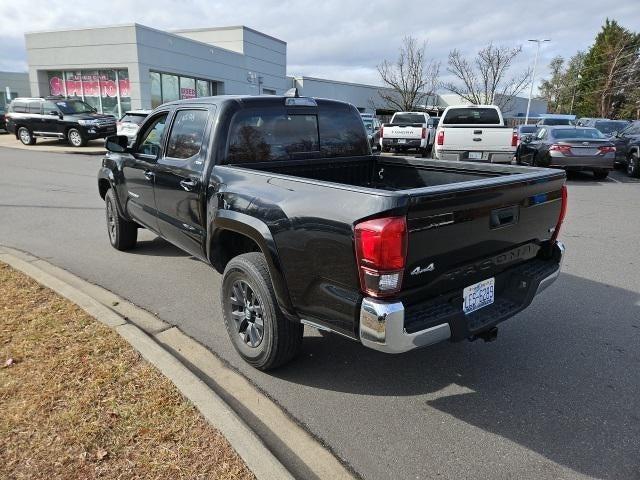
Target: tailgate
{"type": "Point", "coordinates": [408, 131]}
{"type": "Point", "coordinates": [478, 228]}
{"type": "Point", "coordinates": [478, 138]}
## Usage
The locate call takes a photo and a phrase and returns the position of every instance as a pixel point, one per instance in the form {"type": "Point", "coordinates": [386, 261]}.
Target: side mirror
{"type": "Point", "coordinates": [116, 143]}
{"type": "Point", "coordinates": [615, 134]}
{"type": "Point", "coordinates": [54, 112]}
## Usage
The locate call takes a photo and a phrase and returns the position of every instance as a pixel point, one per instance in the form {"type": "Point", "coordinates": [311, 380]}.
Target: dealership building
{"type": "Point", "coordinates": [118, 68]}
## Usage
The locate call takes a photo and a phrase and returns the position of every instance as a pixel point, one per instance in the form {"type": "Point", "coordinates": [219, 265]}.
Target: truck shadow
{"type": "Point", "coordinates": [562, 379]}
{"type": "Point", "coordinates": [158, 247]}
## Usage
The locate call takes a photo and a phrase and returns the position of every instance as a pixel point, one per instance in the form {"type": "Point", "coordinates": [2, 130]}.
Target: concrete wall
{"type": "Point", "coordinates": [18, 83]}
{"type": "Point", "coordinates": [517, 107]}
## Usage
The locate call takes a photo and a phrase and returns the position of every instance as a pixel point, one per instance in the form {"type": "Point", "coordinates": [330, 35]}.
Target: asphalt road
{"type": "Point", "coordinates": [556, 396]}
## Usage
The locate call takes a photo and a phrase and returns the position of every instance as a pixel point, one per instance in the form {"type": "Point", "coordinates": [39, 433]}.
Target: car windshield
{"type": "Point", "coordinates": [132, 118]}
{"type": "Point", "coordinates": [557, 121]}
{"type": "Point", "coordinates": [408, 118]}
{"type": "Point", "coordinates": [74, 106]}
{"type": "Point", "coordinates": [589, 133]}
{"type": "Point", "coordinates": [368, 124]}
{"type": "Point", "coordinates": [610, 126]}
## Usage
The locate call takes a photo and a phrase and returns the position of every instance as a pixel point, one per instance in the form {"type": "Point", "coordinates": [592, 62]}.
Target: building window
{"type": "Point", "coordinates": [156, 89]}
{"type": "Point", "coordinates": [187, 88]}
{"type": "Point", "coordinates": [203, 88]}
{"type": "Point", "coordinates": [105, 90]}
{"type": "Point", "coordinates": [170, 88]}
{"type": "Point", "coordinates": [268, 91]}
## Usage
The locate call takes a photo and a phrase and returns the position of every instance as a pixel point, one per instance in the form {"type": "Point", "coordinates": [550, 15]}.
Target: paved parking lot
{"type": "Point", "coordinates": [556, 396]}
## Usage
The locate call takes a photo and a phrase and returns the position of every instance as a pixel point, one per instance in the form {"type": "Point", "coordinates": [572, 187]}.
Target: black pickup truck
{"type": "Point", "coordinates": [282, 195]}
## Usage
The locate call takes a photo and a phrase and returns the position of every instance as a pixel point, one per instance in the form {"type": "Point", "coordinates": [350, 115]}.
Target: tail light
{"type": "Point", "coordinates": [607, 149]}
{"type": "Point", "coordinates": [381, 251]}
{"type": "Point", "coordinates": [560, 148]}
{"type": "Point", "coordinates": [424, 132]}
{"type": "Point", "coordinates": [514, 139]}
{"type": "Point", "coordinates": [563, 212]}
{"type": "Point", "coordinates": [381, 132]}
{"type": "Point", "coordinates": [440, 138]}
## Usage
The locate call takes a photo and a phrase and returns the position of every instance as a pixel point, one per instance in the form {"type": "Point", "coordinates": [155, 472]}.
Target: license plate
{"type": "Point", "coordinates": [402, 140]}
{"type": "Point", "coordinates": [478, 295]}
{"type": "Point", "coordinates": [475, 155]}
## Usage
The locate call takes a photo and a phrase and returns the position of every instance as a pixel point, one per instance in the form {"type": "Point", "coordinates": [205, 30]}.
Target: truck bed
{"type": "Point", "coordinates": [381, 173]}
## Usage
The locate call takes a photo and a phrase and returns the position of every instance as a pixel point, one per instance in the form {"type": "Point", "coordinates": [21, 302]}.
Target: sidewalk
{"type": "Point", "coordinates": [52, 145]}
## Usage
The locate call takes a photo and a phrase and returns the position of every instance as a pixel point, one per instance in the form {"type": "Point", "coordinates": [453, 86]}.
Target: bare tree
{"type": "Point", "coordinates": [484, 80]}
{"type": "Point", "coordinates": [411, 78]}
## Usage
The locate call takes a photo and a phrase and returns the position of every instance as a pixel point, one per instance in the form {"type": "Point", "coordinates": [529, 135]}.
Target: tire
{"type": "Point", "coordinates": [25, 136]}
{"type": "Point", "coordinates": [258, 330]}
{"type": "Point", "coordinates": [600, 174]}
{"type": "Point", "coordinates": [633, 166]}
{"type": "Point", "coordinates": [76, 138]}
{"type": "Point", "coordinates": [123, 234]}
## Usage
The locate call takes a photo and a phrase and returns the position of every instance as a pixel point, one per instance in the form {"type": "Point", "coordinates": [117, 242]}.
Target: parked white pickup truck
{"type": "Point", "coordinates": [407, 130]}
{"type": "Point", "coordinates": [474, 133]}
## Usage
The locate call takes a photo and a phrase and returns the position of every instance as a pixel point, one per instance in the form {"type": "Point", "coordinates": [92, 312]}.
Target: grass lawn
{"type": "Point", "coordinates": [78, 402]}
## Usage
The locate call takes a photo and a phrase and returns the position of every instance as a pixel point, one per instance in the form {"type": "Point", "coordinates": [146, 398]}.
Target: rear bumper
{"type": "Point", "coordinates": [409, 143]}
{"type": "Point", "coordinates": [391, 328]}
{"type": "Point", "coordinates": [598, 161]}
{"type": "Point", "coordinates": [487, 156]}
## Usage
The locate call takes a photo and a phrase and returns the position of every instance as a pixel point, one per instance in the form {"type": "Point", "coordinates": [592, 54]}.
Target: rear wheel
{"type": "Point", "coordinates": [25, 136]}
{"type": "Point", "coordinates": [76, 138]}
{"type": "Point", "coordinates": [123, 234]}
{"type": "Point", "coordinates": [600, 174]}
{"type": "Point", "coordinates": [633, 166]}
{"type": "Point", "coordinates": [259, 331]}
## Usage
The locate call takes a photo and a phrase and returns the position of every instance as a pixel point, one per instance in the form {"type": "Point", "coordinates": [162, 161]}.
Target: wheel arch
{"type": "Point", "coordinates": [233, 233]}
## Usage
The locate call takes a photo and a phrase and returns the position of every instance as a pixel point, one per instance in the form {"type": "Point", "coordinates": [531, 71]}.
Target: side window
{"type": "Point", "coordinates": [48, 107]}
{"type": "Point", "coordinates": [34, 107]}
{"type": "Point", "coordinates": [18, 107]}
{"type": "Point", "coordinates": [185, 138]}
{"type": "Point", "coordinates": [151, 138]}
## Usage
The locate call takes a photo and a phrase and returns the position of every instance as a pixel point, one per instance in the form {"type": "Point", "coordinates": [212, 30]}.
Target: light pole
{"type": "Point", "coordinates": [533, 75]}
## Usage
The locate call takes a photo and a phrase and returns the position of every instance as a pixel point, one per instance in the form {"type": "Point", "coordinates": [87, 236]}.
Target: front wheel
{"type": "Point", "coordinates": [259, 331]}
{"type": "Point", "coordinates": [123, 234]}
{"type": "Point", "coordinates": [633, 166]}
{"type": "Point", "coordinates": [76, 138]}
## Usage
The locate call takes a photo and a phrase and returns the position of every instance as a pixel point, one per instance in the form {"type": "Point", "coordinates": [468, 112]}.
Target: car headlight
{"type": "Point", "coordinates": [88, 123]}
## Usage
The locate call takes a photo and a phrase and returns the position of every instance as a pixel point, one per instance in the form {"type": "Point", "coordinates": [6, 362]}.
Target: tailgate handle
{"type": "Point", "coordinates": [503, 217]}
{"type": "Point", "coordinates": [477, 132]}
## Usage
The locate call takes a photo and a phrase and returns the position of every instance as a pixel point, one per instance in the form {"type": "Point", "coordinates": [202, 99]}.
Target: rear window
{"type": "Point", "coordinates": [472, 116]}
{"type": "Point", "coordinates": [262, 135]}
{"type": "Point", "coordinates": [528, 128]}
{"type": "Point", "coordinates": [565, 133]}
{"type": "Point", "coordinates": [132, 118]}
{"type": "Point", "coordinates": [408, 118]}
{"type": "Point", "coordinates": [557, 121]}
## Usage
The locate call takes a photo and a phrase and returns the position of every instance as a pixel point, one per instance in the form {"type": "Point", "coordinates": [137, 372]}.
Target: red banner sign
{"type": "Point", "coordinates": [91, 85]}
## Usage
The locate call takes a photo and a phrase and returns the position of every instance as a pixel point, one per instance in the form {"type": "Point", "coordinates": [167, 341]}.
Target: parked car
{"type": "Point", "coordinates": [581, 122]}
{"type": "Point", "coordinates": [405, 131]}
{"type": "Point", "coordinates": [474, 132]}
{"type": "Point", "coordinates": [570, 148]}
{"type": "Point", "coordinates": [432, 126]}
{"type": "Point", "coordinates": [606, 126]}
{"type": "Point", "coordinates": [627, 144]}
{"type": "Point", "coordinates": [130, 122]}
{"type": "Point", "coordinates": [553, 121]}
{"type": "Point", "coordinates": [70, 119]}
{"type": "Point", "coordinates": [372, 126]}
{"type": "Point", "coordinates": [522, 131]}
{"type": "Point", "coordinates": [282, 196]}
{"type": "Point", "coordinates": [3, 122]}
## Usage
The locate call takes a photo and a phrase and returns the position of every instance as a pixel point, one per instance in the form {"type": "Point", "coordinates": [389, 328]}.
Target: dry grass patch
{"type": "Point", "coordinates": [78, 402]}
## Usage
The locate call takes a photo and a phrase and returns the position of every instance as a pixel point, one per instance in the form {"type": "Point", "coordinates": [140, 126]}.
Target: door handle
{"type": "Point", "coordinates": [189, 185]}
{"type": "Point", "coordinates": [148, 174]}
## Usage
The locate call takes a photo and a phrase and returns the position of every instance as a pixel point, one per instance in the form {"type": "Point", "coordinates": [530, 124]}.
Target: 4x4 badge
{"type": "Point", "coordinates": [418, 270]}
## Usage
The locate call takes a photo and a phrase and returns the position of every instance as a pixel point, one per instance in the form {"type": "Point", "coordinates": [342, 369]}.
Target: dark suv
{"type": "Point", "coordinates": [71, 119]}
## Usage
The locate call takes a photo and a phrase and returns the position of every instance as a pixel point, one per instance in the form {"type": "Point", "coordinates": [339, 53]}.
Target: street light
{"type": "Point", "coordinates": [533, 75]}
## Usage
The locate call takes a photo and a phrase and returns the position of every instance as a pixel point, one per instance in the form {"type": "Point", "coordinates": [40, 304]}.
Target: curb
{"type": "Point", "coordinates": [263, 464]}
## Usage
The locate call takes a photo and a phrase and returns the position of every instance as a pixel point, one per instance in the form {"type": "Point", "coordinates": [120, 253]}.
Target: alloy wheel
{"type": "Point", "coordinates": [111, 222]}
{"type": "Point", "coordinates": [75, 138]}
{"type": "Point", "coordinates": [247, 313]}
{"type": "Point", "coordinates": [25, 136]}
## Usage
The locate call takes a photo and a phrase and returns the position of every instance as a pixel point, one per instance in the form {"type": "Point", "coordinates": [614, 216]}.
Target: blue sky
{"type": "Point", "coordinates": [342, 40]}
